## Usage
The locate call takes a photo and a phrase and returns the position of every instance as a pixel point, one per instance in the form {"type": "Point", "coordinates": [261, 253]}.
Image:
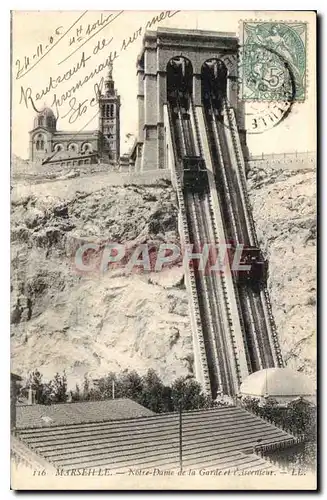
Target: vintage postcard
{"type": "Point", "coordinates": [163, 250]}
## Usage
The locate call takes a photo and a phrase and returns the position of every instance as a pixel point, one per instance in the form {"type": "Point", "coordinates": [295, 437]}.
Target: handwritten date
{"type": "Point", "coordinates": [23, 64]}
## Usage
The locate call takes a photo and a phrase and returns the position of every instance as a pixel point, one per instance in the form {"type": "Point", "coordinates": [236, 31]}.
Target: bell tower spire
{"type": "Point", "coordinates": [109, 120]}
{"type": "Point", "coordinates": [109, 84]}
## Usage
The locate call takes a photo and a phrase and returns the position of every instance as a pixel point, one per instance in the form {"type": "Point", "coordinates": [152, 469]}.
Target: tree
{"type": "Point", "coordinates": [42, 389]}
{"type": "Point", "coordinates": [130, 385]}
{"type": "Point", "coordinates": [270, 409]}
{"type": "Point", "coordinates": [188, 392]}
{"type": "Point", "coordinates": [251, 404]}
{"type": "Point", "coordinates": [153, 392]}
{"type": "Point", "coordinates": [76, 395]}
{"type": "Point", "coordinates": [301, 417]}
{"type": "Point", "coordinates": [105, 386]}
{"type": "Point", "coordinates": [59, 388]}
{"type": "Point", "coordinates": [167, 400]}
{"type": "Point", "coordinates": [95, 394]}
{"type": "Point", "coordinates": [86, 388]}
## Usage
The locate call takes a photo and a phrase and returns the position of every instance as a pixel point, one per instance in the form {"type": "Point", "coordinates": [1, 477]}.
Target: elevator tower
{"type": "Point", "coordinates": [159, 48]}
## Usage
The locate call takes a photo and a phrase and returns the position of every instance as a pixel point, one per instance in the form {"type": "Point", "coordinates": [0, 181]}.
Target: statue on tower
{"type": "Point", "coordinates": [109, 83]}
{"type": "Point", "coordinates": [110, 67]}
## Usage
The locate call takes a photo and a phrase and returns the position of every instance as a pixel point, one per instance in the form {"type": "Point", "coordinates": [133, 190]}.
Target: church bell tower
{"type": "Point", "coordinates": [109, 121]}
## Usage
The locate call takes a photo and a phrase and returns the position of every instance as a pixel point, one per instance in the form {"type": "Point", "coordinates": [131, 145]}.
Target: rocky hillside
{"type": "Point", "coordinates": [94, 323]}
{"type": "Point", "coordinates": [284, 209]}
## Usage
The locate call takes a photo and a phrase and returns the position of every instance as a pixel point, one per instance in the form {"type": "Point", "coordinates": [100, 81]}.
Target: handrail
{"type": "Point", "coordinates": [266, 304]}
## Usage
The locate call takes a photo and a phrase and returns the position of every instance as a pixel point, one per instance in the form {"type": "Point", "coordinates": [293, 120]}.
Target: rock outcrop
{"type": "Point", "coordinates": [284, 209]}
{"type": "Point", "coordinates": [92, 323]}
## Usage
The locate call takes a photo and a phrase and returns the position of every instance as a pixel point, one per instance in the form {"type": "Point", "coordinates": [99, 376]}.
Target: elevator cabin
{"type": "Point", "coordinates": [179, 98]}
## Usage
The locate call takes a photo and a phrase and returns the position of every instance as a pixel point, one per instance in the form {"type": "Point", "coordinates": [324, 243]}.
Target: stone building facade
{"type": "Point", "coordinates": [159, 48]}
{"type": "Point", "coordinates": [50, 146]}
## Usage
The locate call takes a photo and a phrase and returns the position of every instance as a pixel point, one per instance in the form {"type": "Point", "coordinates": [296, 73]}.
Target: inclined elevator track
{"type": "Point", "coordinates": [235, 227]}
{"type": "Point", "coordinates": [216, 336]}
{"type": "Point", "coordinates": [260, 326]}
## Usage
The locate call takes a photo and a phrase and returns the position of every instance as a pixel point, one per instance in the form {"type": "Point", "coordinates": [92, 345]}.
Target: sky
{"type": "Point", "coordinates": [43, 48]}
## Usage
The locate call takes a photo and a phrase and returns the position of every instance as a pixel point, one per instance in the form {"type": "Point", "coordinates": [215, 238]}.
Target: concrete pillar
{"type": "Point", "coordinates": [197, 89]}
{"type": "Point", "coordinates": [140, 132]}
{"type": "Point", "coordinates": [150, 149]}
{"type": "Point", "coordinates": [139, 154]}
{"type": "Point", "coordinates": [161, 100]}
{"type": "Point", "coordinates": [150, 100]}
{"type": "Point", "coordinates": [161, 146]}
{"type": "Point", "coordinates": [140, 99]}
{"type": "Point", "coordinates": [161, 94]}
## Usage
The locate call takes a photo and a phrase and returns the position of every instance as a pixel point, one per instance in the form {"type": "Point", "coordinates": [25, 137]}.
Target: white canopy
{"type": "Point", "coordinates": [278, 383]}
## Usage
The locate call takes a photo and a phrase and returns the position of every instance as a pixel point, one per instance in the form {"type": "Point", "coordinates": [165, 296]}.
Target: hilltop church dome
{"type": "Point", "coordinates": [282, 384]}
{"type": "Point", "coordinates": [46, 119]}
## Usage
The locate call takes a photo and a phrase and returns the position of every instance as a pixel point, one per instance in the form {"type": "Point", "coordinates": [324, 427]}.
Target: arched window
{"type": "Point", "coordinates": [58, 147]}
{"type": "Point", "coordinates": [39, 143]}
{"type": "Point", "coordinates": [214, 83]}
{"type": "Point", "coordinates": [41, 121]}
{"type": "Point", "coordinates": [179, 81]}
{"type": "Point", "coordinates": [86, 148]}
{"type": "Point", "coordinates": [72, 147]}
{"type": "Point", "coordinates": [51, 122]}
{"type": "Point", "coordinates": [112, 110]}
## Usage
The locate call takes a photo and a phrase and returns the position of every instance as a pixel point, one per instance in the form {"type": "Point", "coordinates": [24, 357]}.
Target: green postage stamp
{"type": "Point", "coordinates": [273, 61]}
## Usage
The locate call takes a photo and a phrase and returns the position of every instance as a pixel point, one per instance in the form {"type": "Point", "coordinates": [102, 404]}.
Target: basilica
{"type": "Point", "coordinates": [49, 146]}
